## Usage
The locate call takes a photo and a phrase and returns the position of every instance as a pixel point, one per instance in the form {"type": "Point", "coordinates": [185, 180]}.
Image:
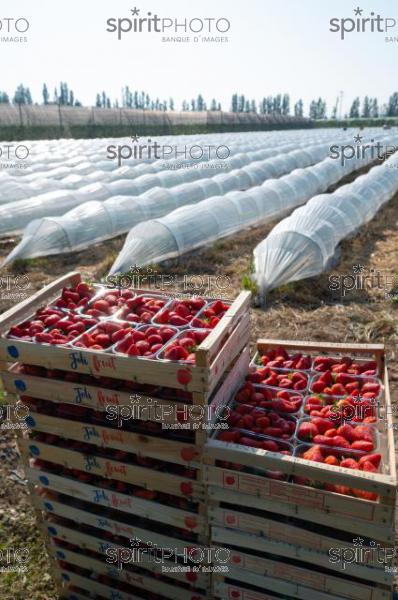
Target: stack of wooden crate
{"type": "Point", "coordinates": [123, 509]}
{"type": "Point", "coordinates": [301, 540]}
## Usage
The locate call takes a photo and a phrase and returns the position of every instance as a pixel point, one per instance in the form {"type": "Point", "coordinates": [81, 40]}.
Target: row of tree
{"type": "Point", "coordinates": [279, 104]}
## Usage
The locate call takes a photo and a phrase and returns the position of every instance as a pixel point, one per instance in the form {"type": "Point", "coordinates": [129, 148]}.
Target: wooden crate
{"type": "Point", "coordinates": [138, 580]}
{"type": "Point", "coordinates": [107, 592]}
{"type": "Point", "coordinates": [292, 539]}
{"type": "Point", "coordinates": [226, 590]}
{"type": "Point", "coordinates": [244, 585]}
{"type": "Point", "coordinates": [101, 545]}
{"type": "Point", "coordinates": [112, 525]}
{"type": "Point", "coordinates": [257, 555]}
{"type": "Point", "coordinates": [147, 509]}
{"type": "Point", "coordinates": [373, 519]}
{"type": "Point", "coordinates": [98, 398]}
{"type": "Point", "coordinates": [112, 469]}
{"type": "Point", "coordinates": [213, 356]}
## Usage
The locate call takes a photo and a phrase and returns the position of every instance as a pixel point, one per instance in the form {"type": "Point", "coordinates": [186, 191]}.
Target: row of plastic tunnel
{"type": "Point", "coordinates": [195, 190]}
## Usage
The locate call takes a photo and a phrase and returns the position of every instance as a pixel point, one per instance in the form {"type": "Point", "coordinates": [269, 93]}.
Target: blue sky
{"type": "Point", "coordinates": [273, 46]}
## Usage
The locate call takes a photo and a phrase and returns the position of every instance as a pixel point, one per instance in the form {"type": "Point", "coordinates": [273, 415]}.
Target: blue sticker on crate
{"type": "Point", "coordinates": [52, 530]}
{"type": "Point", "coordinates": [48, 506]}
{"type": "Point", "coordinates": [73, 597]}
{"type": "Point", "coordinates": [30, 422]}
{"type": "Point", "coordinates": [65, 576]}
{"type": "Point", "coordinates": [60, 554]}
{"type": "Point", "coordinates": [34, 450]}
{"type": "Point", "coordinates": [20, 385]}
{"type": "Point", "coordinates": [44, 480]}
{"type": "Point", "coordinates": [13, 351]}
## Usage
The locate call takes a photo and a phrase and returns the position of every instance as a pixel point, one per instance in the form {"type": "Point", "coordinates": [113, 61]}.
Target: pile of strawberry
{"type": "Point", "coordinates": [184, 346]}
{"type": "Point", "coordinates": [260, 421]}
{"type": "Point", "coordinates": [288, 380]}
{"type": "Point", "coordinates": [341, 384]}
{"type": "Point", "coordinates": [345, 364]}
{"type": "Point", "coordinates": [75, 297]}
{"type": "Point", "coordinates": [141, 309]}
{"type": "Point", "coordinates": [145, 341]}
{"type": "Point", "coordinates": [361, 438]}
{"type": "Point", "coordinates": [108, 304]}
{"type": "Point", "coordinates": [349, 408]}
{"type": "Point", "coordinates": [52, 326]}
{"type": "Point", "coordinates": [43, 318]}
{"type": "Point", "coordinates": [282, 401]}
{"type": "Point", "coordinates": [103, 336]}
{"type": "Point", "coordinates": [331, 456]}
{"type": "Point", "coordinates": [279, 358]}
{"type": "Point", "coordinates": [211, 315]}
{"type": "Point", "coordinates": [180, 312]}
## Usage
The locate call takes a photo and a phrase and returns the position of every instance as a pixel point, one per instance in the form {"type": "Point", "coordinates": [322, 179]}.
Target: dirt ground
{"type": "Point", "coordinates": [306, 310]}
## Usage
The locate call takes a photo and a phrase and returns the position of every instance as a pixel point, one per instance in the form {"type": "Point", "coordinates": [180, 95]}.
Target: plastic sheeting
{"type": "Point", "coordinates": [305, 243]}
{"type": "Point", "coordinates": [14, 216]}
{"type": "Point", "coordinates": [48, 173]}
{"type": "Point", "coordinates": [93, 222]}
{"type": "Point", "coordinates": [190, 227]}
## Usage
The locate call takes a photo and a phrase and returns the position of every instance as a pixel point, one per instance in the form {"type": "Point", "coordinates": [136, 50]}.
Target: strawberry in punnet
{"type": "Point", "coordinates": [345, 364]}
{"type": "Point", "coordinates": [356, 437]}
{"type": "Point", "coordinates": [142, 309]}
{"type": "Point", "coordinates": [279, 358]}
{"type": "Point", "coordinates": [282, 401]}
{"type": "Point", "coordinates": [181, 312]}
{"type": "Point", "coordinates": [103, 336]}
{"type": "Point", "coordinates": [184, 346]}
{"type": "Point", "coordinates": [314, 453]}
{"type": "Point", "coordinates": [342, 384]}
{"type": "Point", "coordinates": [375, 459]}
{"type": "Point", "coordinates": [75, 297]}
{"type": "Point", "coordinates": [211, 315]}
{"type": "Point", "coordinates": [146, 341]}
{"type": "Point", "coordinates": [289, 380]}
{"type": "Point", "coordinates": [307, 431]}
{"type": "Point", "coordinates": [43, 318]}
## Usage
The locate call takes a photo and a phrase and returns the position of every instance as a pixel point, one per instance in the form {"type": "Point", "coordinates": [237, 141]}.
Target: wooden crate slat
{"type": "Point", "coordinates": [233, 345]}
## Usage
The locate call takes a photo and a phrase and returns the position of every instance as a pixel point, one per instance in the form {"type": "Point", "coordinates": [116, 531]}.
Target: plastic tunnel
{"type": "Point", "coordinates": [305, 243]}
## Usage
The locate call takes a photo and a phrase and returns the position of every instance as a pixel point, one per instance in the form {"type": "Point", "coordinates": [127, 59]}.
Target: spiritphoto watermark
{"type": "Point", "coordinates": [364, 279]}
{"type": "Point", "coordinates": [150, 149]}
{"type": "Point", "coordinates": [181, 29]}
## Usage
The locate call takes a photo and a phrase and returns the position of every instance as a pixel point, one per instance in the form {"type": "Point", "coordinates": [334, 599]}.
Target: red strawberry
{"type": "Point", "coordinates": [307, 431]}
{"type": "Point", "coordinates": [375, 459]}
